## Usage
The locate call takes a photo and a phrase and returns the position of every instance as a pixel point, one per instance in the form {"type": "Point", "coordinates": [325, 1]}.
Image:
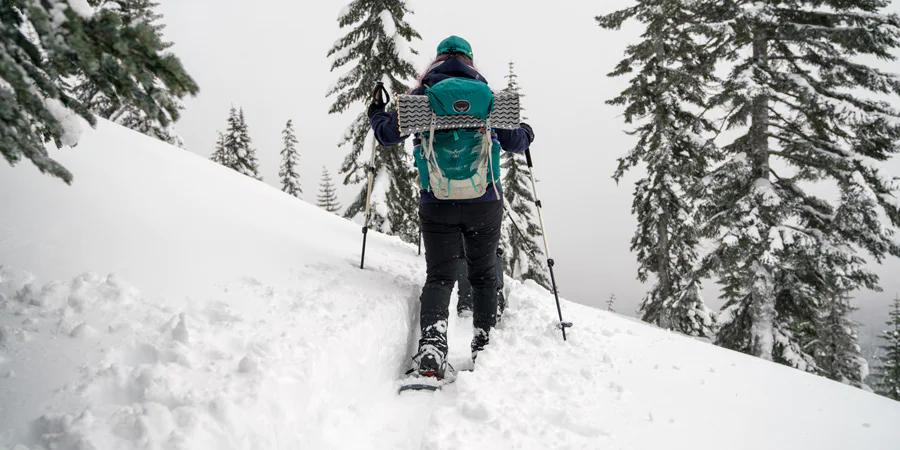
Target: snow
{"type": "Point", "coordinates": [378, 199]}
{"type": "Point", "coordinates": [864, 188]}
{"type": "Point", "coordinates": [403, 50]}
{"type": "Point", "coordinates": [890, 199]}
{"type": "Point", "coordinates": [730, 240]}
{"type": "Point", "coordinates": [72, 125]}
{"type": "Point", "coordinates": [163, 301]}
{"type": "Point", "coordinates": [387, 23]}
{"type": "Point", "coordinates": [58, 13]}
{"type": "Point", "coordinates": [766, 189]}
{"type": "Point", "coordinates": [82, 8]}
{"type": "Point", "coordinates": [344, 11]}
{"type": "Point", "coordinates": [340, 54]}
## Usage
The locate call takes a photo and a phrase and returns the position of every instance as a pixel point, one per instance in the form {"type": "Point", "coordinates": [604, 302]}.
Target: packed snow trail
{"type": "Point", "coordinates": [162, 301]}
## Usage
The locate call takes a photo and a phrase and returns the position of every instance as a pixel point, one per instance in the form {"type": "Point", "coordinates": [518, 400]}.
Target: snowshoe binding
{"type": "Point", "coordinates": [430, 364]}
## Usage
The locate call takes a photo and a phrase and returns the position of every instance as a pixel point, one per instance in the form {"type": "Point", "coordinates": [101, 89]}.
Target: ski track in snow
{"type": "Point", "coordinates": [312, 366]}
{"type": "Point", "coordinates": [279, 341]}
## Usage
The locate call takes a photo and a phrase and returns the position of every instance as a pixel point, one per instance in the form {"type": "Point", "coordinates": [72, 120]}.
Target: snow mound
{"type": "Point", "coordinates": [162, 301]}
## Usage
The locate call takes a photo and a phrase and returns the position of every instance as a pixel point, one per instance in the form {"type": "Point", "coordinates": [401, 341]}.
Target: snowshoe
{"type": "Point", "coordinates": [417, 384]}
{"type": "Point", "coordinates": [428, 374]}
{"type": "Point", "coordinates": [430, 364]}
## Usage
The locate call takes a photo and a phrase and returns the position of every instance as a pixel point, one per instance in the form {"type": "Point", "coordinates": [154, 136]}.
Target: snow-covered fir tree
{"type": "Point", "coordinates": [233, 149]}
{"type": "Point", "coordinates": [130, 114]}
{"type": "Point", "coordinates": [670, 75]}
{"type": "Point", "coordinates": [48, 41]}
{"type": "Point", "coordinates": [290, 179]}
{"type": "Point", "coordinates": [838, 354]}
{"type": "Point", "coordinates": [376, 48]}
{"type": "Point", "coordinates": [796, 98]}
{"type": "Point", "coordinates": [888, 370]}
{"type": "Point", "coordinates": [523, 257]}
{"type": "Point", "coordinates": [327, 198]}
{"type": "Point", "coordinates": [220, 155]}
{"type": "Point", "coordinates": [512, 84]}
{"type": "Point", "coordinates": [829, 274]}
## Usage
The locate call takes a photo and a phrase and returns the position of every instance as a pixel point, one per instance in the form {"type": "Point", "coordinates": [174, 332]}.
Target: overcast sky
{"type": "Point", "coordinates": [269, 58]}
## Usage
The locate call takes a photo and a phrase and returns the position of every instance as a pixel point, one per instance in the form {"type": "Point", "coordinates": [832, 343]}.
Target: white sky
{"type": "Point", "coordinates": [269, 57]}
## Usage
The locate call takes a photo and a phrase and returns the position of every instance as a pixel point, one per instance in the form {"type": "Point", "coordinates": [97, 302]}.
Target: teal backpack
{"type": "Point", "coordinates": [459, 163]}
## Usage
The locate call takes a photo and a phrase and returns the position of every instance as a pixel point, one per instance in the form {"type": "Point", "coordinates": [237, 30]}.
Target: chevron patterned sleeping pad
{"type": "Point", "coordinates": [415, 114]}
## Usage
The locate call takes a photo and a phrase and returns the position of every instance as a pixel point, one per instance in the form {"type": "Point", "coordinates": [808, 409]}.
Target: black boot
{"type": "Point", "coordinates": [479, 340]}
{"type": "Point", "coordinates": [463, 310]}
{"type": "Point", "coordinates": [501, 304]}
{"type": "Point", "coordinates": [432, 357]}
{"type": "Point", "coordinates": [464, 305]}
{"type": "Point", "coordinates": [501, 299]}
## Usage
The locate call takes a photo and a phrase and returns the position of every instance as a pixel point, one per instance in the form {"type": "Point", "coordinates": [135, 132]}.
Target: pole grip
{"type": "Point", "coordinates": [381, 93]}
{"type": "Point", "coordinates": [528, 157]}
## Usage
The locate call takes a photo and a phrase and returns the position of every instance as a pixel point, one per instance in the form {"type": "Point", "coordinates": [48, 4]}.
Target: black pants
{"type": "Point", "coordinates": [464, 289]}
{"type": "Point", "coordinates": [447, 228]}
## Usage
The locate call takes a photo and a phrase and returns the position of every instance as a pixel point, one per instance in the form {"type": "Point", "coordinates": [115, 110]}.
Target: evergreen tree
{"type": "Point", "coordinates": [795, 97]}
{"type": "Point", "coordinates": [376, 48]}
{"type": "Point", "coordinates": [671, 73]}
{"type": "Point", "coordinates": [512, 84]}
{"type": "Point", "coordinates": [829, 274]}
{"type": "Point", "coordinates": [48, 41]}
{"type": "Point", "coordinates": [233, 149]}
{"type": "Point", "coordinates": [523, 258]}
{"type": "Point", "coordinates": [611, 302]}
{"type": "Point", "coordinates": [889, 368]}
{"type": "Point", "coordinates": [220, 155]}
{"type": "Point", "coordinates": [130, 114]}
{"type": "Point", "coordinates": [290, 180]}
{"type": "Point", "coordinates": [838, 354]}
{"type": "Point", "coordinates": [327, 198]}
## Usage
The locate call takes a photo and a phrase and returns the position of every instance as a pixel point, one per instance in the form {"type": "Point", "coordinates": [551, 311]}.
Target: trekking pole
{"type": "Point", "coordinates": [379, 89]}
{"type": "Point", "coordinates": [420, 241]}
{"type": "Point", "coordinates": [550, 263]}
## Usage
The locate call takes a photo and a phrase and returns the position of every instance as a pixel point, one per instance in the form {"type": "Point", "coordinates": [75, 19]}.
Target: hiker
{"type": "Point", "coordinates": [448, 225]}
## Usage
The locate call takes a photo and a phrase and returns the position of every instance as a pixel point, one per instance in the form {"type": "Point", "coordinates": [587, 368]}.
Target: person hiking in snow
{"type": "Point", "coordinates": [450, 214]}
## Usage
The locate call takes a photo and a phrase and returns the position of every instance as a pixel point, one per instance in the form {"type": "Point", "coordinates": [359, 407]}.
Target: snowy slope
{"type": "Point", "coordinates": [165, 302]}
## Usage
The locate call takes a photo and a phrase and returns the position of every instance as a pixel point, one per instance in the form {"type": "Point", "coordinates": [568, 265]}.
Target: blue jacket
{"type": "Point", "coordinates": [387, 129]}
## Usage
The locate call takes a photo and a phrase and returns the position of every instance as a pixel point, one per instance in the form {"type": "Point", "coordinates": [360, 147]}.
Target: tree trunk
{"type": "Point", "coordinates": [762, 307]}
{"type": "Point", "coordinates": [665, 280]}
{"type": "Point", "coordinates": [662, 223]}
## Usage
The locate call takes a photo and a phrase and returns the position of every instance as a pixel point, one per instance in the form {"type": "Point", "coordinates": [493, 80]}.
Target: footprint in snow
{"type": "Point", "coordinates": [475, 411]}
{"type": "Point", "coordinates": [615, 387]}
{"type": "Point", "coordinates": [83, 331]}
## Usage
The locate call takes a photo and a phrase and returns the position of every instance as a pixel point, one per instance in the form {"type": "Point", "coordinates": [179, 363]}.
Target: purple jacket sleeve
{"type": "Point", "coordinates": [387, 129]}
{"type": "Point", "coordinates": [516, 141]}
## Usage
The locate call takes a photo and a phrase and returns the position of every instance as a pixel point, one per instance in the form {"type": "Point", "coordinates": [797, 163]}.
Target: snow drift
{"type": "Point", "coordinates": [162, 301]}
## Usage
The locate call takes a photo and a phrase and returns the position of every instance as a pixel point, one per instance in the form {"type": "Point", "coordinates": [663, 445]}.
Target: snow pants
{"type": "Point", "coordinates": [447, 229]}
{"type": "Point", "coordinates": [464, 289]}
